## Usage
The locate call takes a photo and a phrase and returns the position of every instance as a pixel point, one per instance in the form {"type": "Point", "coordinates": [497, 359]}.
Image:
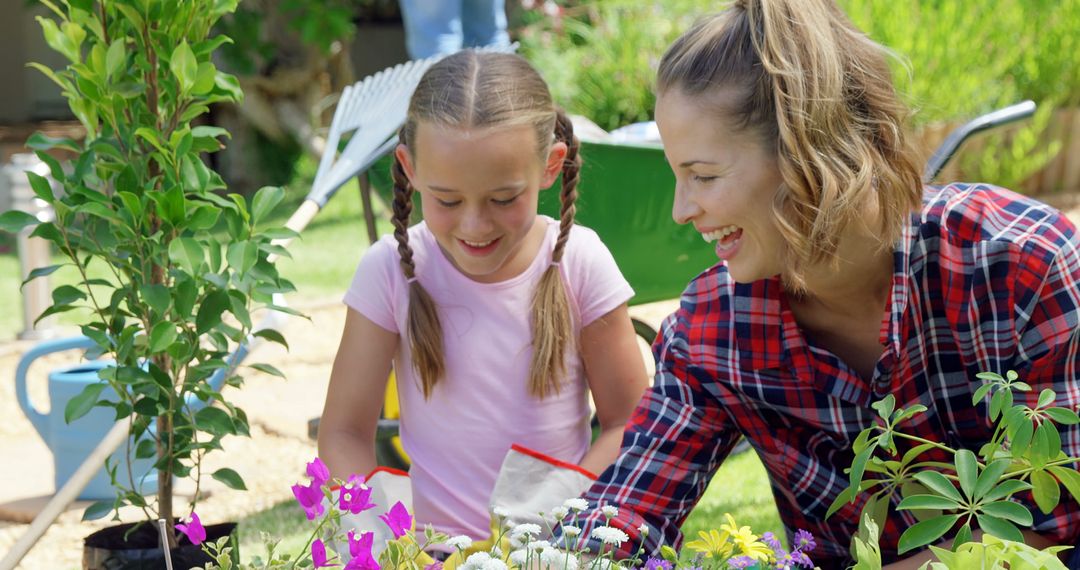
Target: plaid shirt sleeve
{"type": "Point", "coordinates": [673, 444]}
{"type": "Point", "coordinates": [1047, 298]}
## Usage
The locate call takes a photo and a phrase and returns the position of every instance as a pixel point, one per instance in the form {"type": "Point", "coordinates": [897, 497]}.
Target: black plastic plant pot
{"type": "Point", "coordinates": [106, 549]}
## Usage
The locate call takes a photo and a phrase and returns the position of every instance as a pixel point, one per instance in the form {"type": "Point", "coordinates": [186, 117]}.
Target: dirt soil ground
{"type": "Point", "coordinates": [270, 461]}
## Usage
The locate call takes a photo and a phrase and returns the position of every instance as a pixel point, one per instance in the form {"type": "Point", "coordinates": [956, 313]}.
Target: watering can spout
{"type": "Point", "coordinates": [39, 420]}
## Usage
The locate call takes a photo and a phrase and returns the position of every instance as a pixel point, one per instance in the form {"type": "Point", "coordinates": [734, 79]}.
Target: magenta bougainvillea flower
{"type": "Point", "coordinates": [360, 549]}
{"type": "Point", "coordinates": [355, 496]}
{"type": "Point", "coordinates": [318, 555]}
{"type": "Point", "coordinates": [398, 519]}
{"type": "Point", "coordinates": [310, 498]}
{"type": "Point", "coordinates": [192, 528]}
{"type": "Point", "coordinates": [318, 472]}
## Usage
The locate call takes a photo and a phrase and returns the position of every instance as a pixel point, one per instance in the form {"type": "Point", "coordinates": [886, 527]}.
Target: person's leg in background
{"type": "Point", "coordinates": [484, 23]}
{"type": "Point", "coordinates": [432, 27]}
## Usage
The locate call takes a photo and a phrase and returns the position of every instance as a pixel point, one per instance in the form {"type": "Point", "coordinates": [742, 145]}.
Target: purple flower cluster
{"type": "Point", "coordinates": [797, 558]}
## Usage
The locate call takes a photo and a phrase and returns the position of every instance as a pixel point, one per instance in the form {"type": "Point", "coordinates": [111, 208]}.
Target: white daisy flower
{"type": "Point", "coordinates": [560, 512]}
{"type": "Point", "coordinates": [609, 535]}
{"type": "Point", "coordinates": [527, 529]}
{"type": "Point", "coordinates": [577, 505]}
{"type": "Point", "coordinates": [501, 512]}
{"type": "Point", "coordinates": [494, 564]}
{"type": "Point", "coordinates": [459, 542]}
{"type": "Point", "coordinates": [610, 511]}
{"type": "Point", "coordinates": [571, 531]}
{"type": "Point", "coordinates": [538, 545]}
{"type": "Point", "coordinates": [558, 559]}
{"type": "Point", "coordinates": [477, 559]}
{"type": "Point", "coordinates": [496, 552]}
{"type": "Point", "coordinates": [517, 557]}
{"type": "Point", "coordinates": [644, 530]}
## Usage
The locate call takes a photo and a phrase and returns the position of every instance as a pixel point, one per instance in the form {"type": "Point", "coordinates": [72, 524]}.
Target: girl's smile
{"type": "Point", "coordinates": [479, 190]}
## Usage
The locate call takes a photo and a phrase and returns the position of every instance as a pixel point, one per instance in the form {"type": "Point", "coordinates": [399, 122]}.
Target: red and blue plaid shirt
{"type": "Point", "coordinates": [984, 280]}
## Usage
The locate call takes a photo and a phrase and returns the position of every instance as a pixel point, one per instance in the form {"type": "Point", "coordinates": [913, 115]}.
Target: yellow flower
{"type": "Point", "coordinates": [711, 544]}
{"type": "Point", "coordinates": [745, 540]}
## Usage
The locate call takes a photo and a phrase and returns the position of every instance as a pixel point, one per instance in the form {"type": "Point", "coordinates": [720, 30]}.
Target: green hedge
{"type": "Point", "coordinates": [955, 61]}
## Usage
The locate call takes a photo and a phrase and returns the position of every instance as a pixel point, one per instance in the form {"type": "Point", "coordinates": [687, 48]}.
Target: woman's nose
{"type": "Point", "coordinates": [476, 223]}
{"type": "Point", "coordinates": [685, 208]}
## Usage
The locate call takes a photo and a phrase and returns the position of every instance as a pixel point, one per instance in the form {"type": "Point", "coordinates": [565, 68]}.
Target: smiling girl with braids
{"type": "Point", "coordinates": [498, 321]}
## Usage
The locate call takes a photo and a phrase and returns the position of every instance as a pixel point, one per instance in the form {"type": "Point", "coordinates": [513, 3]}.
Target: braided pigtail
{"type": "Point", "coordinates": [424, 330]}
{"type": "Point", "coordinates": [552, 326]}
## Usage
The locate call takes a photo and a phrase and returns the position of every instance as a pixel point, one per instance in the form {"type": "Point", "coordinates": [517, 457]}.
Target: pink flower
{"type": "Point", "coordinates": [193, 529]}
{"type": "Point", "coordinates": [318, 554]}
{"type": "Point", "coordinates": [318, 472]}
{"type": "Point", "coordinates": [355, 497]}
{"type": "Point", "coordinates": [360, 549]}
{"type": "Point", "coordinates": [398, 519]}
{"type": "Point", "coordinates": [310, 498]}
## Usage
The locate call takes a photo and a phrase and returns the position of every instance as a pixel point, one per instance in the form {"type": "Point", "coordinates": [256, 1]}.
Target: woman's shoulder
{"type": "Point", "coordinates": [973, 213]}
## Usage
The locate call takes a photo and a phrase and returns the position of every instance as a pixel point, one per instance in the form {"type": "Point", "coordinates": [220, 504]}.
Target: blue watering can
{"type": "Point", "coordinates": [72, 443]}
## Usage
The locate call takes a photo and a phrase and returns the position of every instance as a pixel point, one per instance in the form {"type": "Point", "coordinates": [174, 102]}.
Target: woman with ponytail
{"type": "Point", "coordinates": [498, 322]}
{"type": "Point", "coordinates": [841, 280]}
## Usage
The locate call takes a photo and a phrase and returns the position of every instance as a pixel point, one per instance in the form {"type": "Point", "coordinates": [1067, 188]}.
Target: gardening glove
{"type": "Point", "coordinates": [388, 487]}
{"type": "Point", "coordinates": [530, 483]}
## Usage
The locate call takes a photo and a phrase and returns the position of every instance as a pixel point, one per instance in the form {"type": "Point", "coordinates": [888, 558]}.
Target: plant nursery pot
{"type": "Point", "coordinates": [106, 549]}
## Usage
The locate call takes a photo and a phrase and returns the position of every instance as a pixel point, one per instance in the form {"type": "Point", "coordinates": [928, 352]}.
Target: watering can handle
{"type": "Point", "coordinates": [41, 349]}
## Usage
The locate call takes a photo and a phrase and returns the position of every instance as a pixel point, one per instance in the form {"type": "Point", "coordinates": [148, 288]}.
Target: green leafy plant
{"type": "Point", "coordinates": [973, 490]}
{"type": "Point", "coordinates": [169, 269]}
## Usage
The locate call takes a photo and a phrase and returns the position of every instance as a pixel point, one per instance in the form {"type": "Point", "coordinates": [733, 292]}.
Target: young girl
{"type": "Point", "coordinates": [498, 321]}
{"type": "Point", "coordinates": [841, 280]}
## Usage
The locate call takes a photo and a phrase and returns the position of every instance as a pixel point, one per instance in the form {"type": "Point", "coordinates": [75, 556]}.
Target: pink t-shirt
{"type": "Point", "coordinates": [457, 440]}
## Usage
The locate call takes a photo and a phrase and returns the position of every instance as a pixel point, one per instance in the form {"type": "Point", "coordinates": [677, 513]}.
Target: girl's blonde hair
{"type": "Point", "coordinates": [818, 92]}
{"type": "Point", "coordinates": [472, 89]}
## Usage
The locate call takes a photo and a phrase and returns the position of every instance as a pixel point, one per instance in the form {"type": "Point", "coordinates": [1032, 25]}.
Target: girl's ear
{"type": "Point", "coordinates": [402, 154]}
{"type": "Point", "coordinates": [554, 164]}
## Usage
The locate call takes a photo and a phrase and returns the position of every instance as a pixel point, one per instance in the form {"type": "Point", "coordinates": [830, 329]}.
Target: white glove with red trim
{"type": "Point", "coordinates": [383, 487]}
{"type": "Point", "coordinates": [530, 483]}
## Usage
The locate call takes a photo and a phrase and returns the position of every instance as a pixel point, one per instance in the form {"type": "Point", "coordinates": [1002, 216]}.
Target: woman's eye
{"type": "Point", "coordinates": [447, 204]}
{"type": "Point", "coordinates": [506, 202]}
{"type": "Point", "coordinates": [702, 178]}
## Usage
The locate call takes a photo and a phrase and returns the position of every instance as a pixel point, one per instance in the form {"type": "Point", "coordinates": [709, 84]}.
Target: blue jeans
{"type": "Point", "coordinates": [445, 26]}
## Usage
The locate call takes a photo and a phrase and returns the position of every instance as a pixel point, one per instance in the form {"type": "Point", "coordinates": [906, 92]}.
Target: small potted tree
{"type": "Point", "coordinates": [169, 267]}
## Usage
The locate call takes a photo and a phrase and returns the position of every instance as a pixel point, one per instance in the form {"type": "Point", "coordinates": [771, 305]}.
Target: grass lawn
{"type": "Point", "coordinates": [740, 488]}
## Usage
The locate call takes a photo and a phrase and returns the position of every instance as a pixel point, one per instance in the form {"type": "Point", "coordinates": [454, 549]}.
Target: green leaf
{"type": "Point", "coordinates": [188, 254]}
{"type": "Point", "coordinates": [846, 496]}
{"type": "Point", "coordinates": [1009, 510]}
{"type": "Point", "coordinates": [98, 510]}
{"type": "Point", "coordinates": [231, 478]}
{"type": "Point", "coordinates": [242, 256]}
{"type": "Point", "coordinates": [41, 186]}
{"type": "Point", "coordinates": [980, 393]}
{"type": "Point", "coordinates": [967, 470]}
{"type": "Point", "coordinates": [858, 465]}
{"type": "Point", "coordinates": [205, 78]}
{"type": "Point", "coordinates": [1046, 397]}
{"type": "Point", "coordinates": [213, 306]}
{"type": "Point", "coordinates": [15, 221]}
{"type": "Point", "coordinates": [186, 294]}
{"type": "Point", "coordinates": [989, 477]}
{"type": "Point", "coordinates": [41, 272]}
{"type": "Point", "coordinates": [937, 483]}
{"type": "Point", "coordinates": [272, 336]}
{"type": "Point", "coordinates": [67, 294]}
{"type": "Point", "coordinates": [1069, 477]}
{"type": "Point", "coordinates": [157, 296]}
{"type": "Point", "coordinates": [885, 406]}
{"type": "Point", "coordinates": [162, 335]}
{"type": "Point", "coordinates": [80, 405]}
{"type": "Point", "coordinates": [1063, 416]}
{"type": "Point", "coordinates": [1007, 488]}
{"type": "Point", "coordinates": [268, 369]}
{"type": "Point", "coordinates": [266, 199]}
{"type": "Point", "coordinates": [927, 502]}
{"type": "Point", "coordinates": [115, 58]}
{"type": "Point", "coordinates": [1046, 491]}
{"type": "Point", "coordinates": [1000, 528]}
{"type": "Point", "coordinates": [1021, 438]}
{"type": "Point", "coordinates": [184, 66]}
{"type": "Point", "coordinates": [214, 421]}
{"type": "Point", "coordinates": [925, 532]}
{"type": "Point", "coordinates": [41, 141]}
{"type": "Point", "coordinates": [962, 536]}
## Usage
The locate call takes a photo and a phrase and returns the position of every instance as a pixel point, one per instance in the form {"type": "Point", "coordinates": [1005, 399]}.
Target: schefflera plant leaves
{"type": "Point", "coordinates": [975, 490]}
